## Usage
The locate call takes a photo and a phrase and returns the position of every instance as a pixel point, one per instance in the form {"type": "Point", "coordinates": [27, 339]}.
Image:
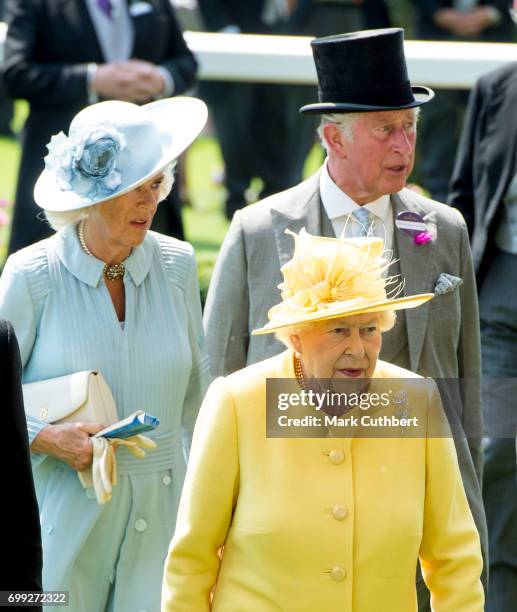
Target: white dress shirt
{"type": "Point", "coordinates": [339, 206]}
{"type": "Point", "coordinates": [115, 33]}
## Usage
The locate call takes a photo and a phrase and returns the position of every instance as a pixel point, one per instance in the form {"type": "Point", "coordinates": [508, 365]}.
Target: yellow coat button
{"type": "Point", "coordinates": [339, 513]}
{"type": "Point", "coordinates": [338, 574]}
{"type": "Point", "coordinates": [140, 525]}
{"type": "Point", "coordinates": [336, 457]}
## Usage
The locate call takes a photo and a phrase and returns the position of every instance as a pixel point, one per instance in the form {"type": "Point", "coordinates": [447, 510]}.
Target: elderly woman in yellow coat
{"type": "Point", "coordinates": [326, 523]}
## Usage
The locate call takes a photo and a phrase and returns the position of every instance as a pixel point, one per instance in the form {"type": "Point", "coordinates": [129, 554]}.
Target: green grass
{"type": "Point", "coordinates": [9, 162]}
{"type": "Point", "coordinates": [205, 223]}
{"type": "Point", "coordinates": [10, 155]}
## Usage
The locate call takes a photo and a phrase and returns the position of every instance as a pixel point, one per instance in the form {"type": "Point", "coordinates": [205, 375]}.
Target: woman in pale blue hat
{"type": "Point", "coordinates": [104, 293]}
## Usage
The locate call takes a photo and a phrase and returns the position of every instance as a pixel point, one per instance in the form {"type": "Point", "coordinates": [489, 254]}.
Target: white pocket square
{"type": "Point", "coordinates": [140, 8]}
{"type": "Point", "coordinates": [447, 283]}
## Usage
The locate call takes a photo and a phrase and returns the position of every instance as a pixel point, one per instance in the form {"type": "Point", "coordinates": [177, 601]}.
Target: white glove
{"type": "Point", "coordinates": [102, 474]}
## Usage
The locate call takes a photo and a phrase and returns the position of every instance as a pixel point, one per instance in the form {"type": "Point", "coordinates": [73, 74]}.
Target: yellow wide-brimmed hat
{"type": "Point", "coordinates": [329, 278]}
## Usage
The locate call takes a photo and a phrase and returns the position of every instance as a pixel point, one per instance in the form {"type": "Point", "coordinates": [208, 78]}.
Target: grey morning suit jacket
{"type": "Point", "coordinates": [441, 337]}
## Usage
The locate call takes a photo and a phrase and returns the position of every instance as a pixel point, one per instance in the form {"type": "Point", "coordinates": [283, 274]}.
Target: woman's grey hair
{"type": "Point", "coordinates": [345, 122]}
{"type": "Point", "coordinates": [57, 220]}
{"type": "Point", "coordinates": [387, 320]}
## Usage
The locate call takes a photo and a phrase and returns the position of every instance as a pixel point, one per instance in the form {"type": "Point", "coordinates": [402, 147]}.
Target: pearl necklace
{"type": "Point", "coordinates": [110, 271]}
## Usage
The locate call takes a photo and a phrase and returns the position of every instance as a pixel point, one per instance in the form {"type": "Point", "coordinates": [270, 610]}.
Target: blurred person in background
{"type": "Point", "coordinates": [250, 118]}
{"type": "Point", "coordinates": [452, 20]}
{"type": "Point", "coordinates": [21, 540]}
{"type": "Point", "coordinates": [6, 102]}
{"type": "Point", "coordinates": [258, 127]}
{"type": "Point", "coordinates": [484, 189]}
{"type": "Point", "coordinates": [63, 56]}
{"type": "Point", "coordinates": [326, 17]}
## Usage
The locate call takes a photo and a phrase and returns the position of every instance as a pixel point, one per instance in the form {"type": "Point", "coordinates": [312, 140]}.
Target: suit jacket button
{"type": "Point", "coordinates": [140, 524]}
{"type": "Point", "coordinates": [338, 573]}
{"type": "Point", "coordinates": [336, 457]}
{"type": "Point", "coordinates": [339, 513]}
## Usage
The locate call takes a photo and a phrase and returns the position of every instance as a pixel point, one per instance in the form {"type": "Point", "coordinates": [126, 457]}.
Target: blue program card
{"type": "Point", "coordinates": [137, 423]}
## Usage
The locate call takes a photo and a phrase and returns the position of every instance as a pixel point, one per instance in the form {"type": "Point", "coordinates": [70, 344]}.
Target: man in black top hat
{"type": "Point", "coordinates": [369, 113]}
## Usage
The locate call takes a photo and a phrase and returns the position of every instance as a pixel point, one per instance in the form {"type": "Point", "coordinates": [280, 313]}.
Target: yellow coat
{"type": "Point", "coordinates": [317, 525]}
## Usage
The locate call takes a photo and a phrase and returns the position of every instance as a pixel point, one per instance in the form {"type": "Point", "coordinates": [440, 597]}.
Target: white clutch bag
{"type": "Point", "coordinates": [82, 396]}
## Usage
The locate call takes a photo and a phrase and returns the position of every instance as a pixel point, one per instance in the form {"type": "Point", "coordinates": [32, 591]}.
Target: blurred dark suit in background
{"type": "Point", "coordinates": [6, 102]}
{"type": "Point", "coordinates": [48, 49]}
{"type": "Point", "coordinates": [19, 514]}
{"type": "Point", "coordinates": [484, 189]}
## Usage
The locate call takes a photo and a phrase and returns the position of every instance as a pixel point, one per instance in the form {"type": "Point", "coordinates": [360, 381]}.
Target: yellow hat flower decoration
{"type": "Point", "coordinates": [333, 277]}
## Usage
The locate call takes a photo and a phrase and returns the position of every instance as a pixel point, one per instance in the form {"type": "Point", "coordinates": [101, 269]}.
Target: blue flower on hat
{"type": "Point", "coordinates": [88, 162]}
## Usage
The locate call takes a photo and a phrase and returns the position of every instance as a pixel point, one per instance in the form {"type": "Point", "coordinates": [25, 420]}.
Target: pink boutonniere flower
{"type": "Point", "coordinates": [423, 238]}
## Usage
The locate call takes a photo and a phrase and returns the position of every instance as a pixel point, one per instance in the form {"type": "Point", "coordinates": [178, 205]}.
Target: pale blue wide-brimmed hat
{"type": "Point", "coordinates": [113, 147]}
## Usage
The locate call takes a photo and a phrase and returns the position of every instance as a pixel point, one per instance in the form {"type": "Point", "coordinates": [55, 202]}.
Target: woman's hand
{"type": "Point", "coordinates": [69, 442]}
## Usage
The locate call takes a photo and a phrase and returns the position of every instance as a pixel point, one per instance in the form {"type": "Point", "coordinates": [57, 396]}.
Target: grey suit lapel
{"type": "Point", "coordinates": [303, 211]}
{"type": "Point", "coordinates": [418, 269]}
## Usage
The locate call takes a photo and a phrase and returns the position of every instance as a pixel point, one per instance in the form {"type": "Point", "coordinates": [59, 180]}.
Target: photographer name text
{"type": "Point", "coordinates": [365, 420]}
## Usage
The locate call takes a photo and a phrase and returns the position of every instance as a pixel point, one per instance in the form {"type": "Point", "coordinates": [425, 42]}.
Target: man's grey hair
{"type": "Point", "coordinates": [346, 122]}
{"type": "Point", "coordinates": [58, 220]}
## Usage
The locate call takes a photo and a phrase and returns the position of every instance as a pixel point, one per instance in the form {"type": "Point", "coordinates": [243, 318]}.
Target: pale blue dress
{"type": "Point", "coordinates": [111, 557]}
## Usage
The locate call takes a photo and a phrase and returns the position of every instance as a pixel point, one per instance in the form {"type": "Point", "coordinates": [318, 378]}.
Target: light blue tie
{"type": "Point", "coordinates": [365, 219]}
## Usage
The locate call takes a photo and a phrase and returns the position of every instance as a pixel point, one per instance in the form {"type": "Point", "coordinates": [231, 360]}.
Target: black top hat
{"type": "Point", "coordinates": [364, 71]}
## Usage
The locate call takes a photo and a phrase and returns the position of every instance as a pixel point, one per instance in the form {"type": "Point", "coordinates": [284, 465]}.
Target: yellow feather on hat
{"type": "Point", "coordinates": [333, 277]}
